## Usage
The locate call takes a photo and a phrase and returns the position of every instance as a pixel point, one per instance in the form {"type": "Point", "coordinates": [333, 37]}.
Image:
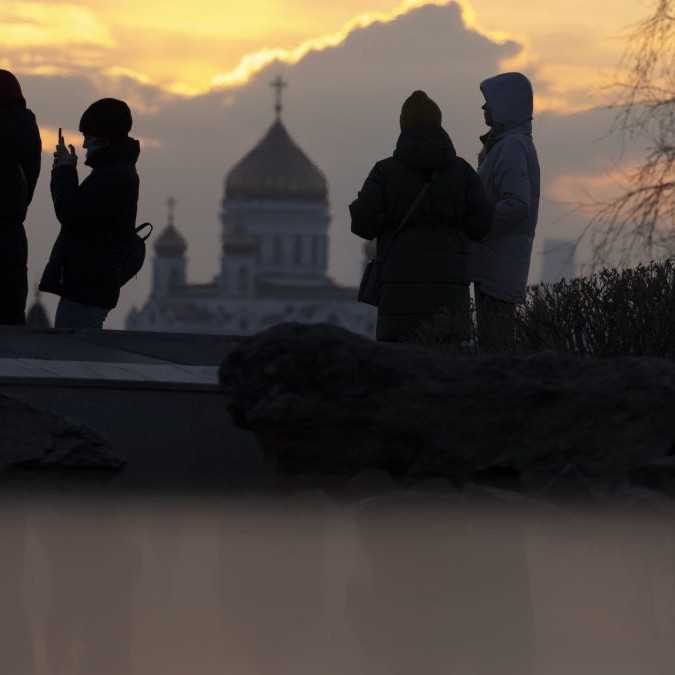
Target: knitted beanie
{"type": "Point", "coordinates": [420, 111]}
{"type": "Point", "coordinates": [108, 118]}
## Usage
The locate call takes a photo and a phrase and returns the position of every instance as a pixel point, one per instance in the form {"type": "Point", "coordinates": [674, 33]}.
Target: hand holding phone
{"type": "Point", "coordinates": [62, 156]}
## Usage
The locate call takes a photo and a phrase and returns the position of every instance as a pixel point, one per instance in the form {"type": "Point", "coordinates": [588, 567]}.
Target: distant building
{"type": "Point", "coordinates": [274, 259]}
{"type": "Point", "coordinates": [558, 260]}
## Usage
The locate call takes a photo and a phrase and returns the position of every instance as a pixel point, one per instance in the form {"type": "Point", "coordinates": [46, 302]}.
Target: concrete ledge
{"type": "Point", "coordinates": [39, 369]}
{"type": "Point", "coordinates": [154, 396]}
{"type": "Point", "coordinates": [6, 384]}
{"type": "Point", "coordinates": [110, 346]}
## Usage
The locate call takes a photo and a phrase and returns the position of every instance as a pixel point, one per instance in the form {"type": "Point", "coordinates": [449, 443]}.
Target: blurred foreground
{"type": "Point", "coordinates": [409, 582]}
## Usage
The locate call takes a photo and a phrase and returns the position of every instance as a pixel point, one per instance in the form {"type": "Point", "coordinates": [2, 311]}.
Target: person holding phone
{"type": "Point", "coordinates": [19, 171]}
{"type": "Point", "coordinates": [97, 217]}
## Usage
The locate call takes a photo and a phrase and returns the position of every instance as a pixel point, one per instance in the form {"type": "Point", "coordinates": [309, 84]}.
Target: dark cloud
{"type": "Point", "coordinates": [342, 107]}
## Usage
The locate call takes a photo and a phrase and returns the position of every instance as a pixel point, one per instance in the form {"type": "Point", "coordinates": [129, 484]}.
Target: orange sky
{"type": "Point", "coordinates": [188, 47]}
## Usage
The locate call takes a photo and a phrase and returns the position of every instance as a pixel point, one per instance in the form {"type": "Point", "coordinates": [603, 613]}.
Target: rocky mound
{"type": "Point", "coordinates": [323, 401]}
{"type": "Point", "coordinates": [37, 439]}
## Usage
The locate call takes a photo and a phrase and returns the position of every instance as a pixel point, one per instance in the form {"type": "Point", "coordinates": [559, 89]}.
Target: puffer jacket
{"type": "Point", "coordinates": [509, 169]}
{"type": "Point", "coordinates": [97, 219]}
{"type": "Point", "coordinates": [428, 261]}
{"type": "Point", "coordinates": [19, 162]}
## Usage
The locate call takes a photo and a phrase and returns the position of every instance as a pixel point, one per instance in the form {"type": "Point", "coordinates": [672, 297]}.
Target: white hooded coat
{"type": "Point", "coordinates": [510, 174]}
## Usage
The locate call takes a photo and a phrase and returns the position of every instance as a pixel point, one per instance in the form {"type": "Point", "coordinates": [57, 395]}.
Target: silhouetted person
{"type": "Point", "coordinates": [509, 168]}
{"type": "Point", "coordinates": [19, 170]}
{"type": "Point", "coordinates": [426, 267]}
{"type": "Point", "coordinates": [97, 217]}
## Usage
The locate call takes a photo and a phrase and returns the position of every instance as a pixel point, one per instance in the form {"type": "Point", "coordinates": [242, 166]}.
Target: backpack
{"type": "Point", "coordinates": [132, 263]}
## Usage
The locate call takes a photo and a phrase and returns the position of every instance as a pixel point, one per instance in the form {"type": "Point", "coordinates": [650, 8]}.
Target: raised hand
{"type": "Point", "coordinates": [64, 156]}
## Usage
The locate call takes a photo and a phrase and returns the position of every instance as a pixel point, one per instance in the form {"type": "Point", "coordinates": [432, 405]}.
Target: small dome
{"type": "Point", "coordinates": [277, 169]}
{"type": "Point", "coordinates": [170, 242]}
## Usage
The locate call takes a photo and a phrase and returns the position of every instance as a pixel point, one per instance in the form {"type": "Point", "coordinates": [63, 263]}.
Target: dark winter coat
{"type": "Point", "coordinates": [19, 171]}
{"type": "Point", "coordinates": [97, 226]}
{"type": "Point", "coordinates": [19, 162]}
{"type": "Point", "coordinates": [427, 264]}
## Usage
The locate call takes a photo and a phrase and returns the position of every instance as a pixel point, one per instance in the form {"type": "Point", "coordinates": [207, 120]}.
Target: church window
{"type": "Point", "coordinates": [174, 278]}
{"type": "Point", "coordinates": [242, 281]}
{"type": "Point", "coordinates": [297, 253]}
{"type": "Point", "coordinates": [278, 250]}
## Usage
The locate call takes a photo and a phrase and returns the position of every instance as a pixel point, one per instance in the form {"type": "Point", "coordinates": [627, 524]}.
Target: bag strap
{"type": "Point", "coordinates": [409, 213]}
{"type": "Point", "coordinates": [143, 227]}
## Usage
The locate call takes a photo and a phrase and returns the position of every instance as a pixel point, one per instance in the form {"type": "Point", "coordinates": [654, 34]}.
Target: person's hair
{"type": "Point", "coordinates": [10, 90]}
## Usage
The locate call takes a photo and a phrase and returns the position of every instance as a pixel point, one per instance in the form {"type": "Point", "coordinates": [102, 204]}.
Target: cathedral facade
{"type": "Point", "coordinates": [275, 220]}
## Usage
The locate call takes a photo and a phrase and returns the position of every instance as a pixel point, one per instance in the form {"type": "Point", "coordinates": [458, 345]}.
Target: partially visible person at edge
{"type": "Point", "coordinates": [20, 158]}
{"type": "Point", "coordinates": [426, 269]}
{"type": "Point", "coordinates": [509, 168]}
{"type": "Point", "coordinates": [97, 217]}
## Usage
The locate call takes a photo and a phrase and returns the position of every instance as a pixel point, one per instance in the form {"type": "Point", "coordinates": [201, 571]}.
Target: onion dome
{"type": "Point", "coordinates": [170, 243]}
{"type": "Point", "coordinates": [277, 169]}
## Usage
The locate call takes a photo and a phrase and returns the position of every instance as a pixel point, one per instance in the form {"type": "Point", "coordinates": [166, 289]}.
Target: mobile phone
{"type": "Point", "coordinates": [61, 141]}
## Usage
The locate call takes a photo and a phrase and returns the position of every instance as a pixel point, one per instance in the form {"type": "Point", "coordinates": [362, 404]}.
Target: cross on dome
{"type": "Point", "coordinates": [279, 84]}
{"type": "Point", "coordinates": [171, 204]}
{"type": "Point", "coordinates": [276, 169]}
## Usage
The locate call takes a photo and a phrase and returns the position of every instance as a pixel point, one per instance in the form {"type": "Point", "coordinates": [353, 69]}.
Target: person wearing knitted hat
{"type": "Point", "coordinates": [423, 205]}
{"type": "Point", "coordinates": [19, 171]}
{"type": "Point", "coordinates": [97, 216]}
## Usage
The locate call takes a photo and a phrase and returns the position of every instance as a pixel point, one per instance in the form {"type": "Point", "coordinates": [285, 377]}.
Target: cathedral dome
{"type": "Point", "coordinates": [170, 242]}
{"type": "Point", "coordinates": [277, 169]}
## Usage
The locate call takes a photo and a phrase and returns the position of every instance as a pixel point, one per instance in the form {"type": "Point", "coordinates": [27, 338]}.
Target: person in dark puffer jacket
{"type": "Point", "coordinates": [426, 269]}
{"type": "Point", "coordinates": [19, 171]}
{"type": "Point", "coordinates": [97, 217]}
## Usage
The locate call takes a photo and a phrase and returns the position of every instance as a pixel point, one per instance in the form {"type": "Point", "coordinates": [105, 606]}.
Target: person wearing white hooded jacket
{"type": "Point", "coordinates": [509, 168]}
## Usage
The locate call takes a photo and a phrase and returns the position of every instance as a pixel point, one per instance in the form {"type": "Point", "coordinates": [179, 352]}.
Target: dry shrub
{"type": "Point", "coordinates": [612, 312]}
{"type": "Point", "coordinates": [449, 332]}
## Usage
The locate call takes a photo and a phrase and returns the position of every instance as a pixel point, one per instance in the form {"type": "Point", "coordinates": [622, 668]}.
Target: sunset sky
{"type": "Point", "coordinates": [197, 77]}
{"type": "Point", "coordinates": [188, 47]}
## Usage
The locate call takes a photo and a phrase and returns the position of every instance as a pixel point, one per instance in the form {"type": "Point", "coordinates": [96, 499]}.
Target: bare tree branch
{"type": "Point", "coordinates": [641, 221]}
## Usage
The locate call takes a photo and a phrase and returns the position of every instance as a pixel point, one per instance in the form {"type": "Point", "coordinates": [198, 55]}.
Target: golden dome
{"type": "Point", "coordinates": [277, 169]}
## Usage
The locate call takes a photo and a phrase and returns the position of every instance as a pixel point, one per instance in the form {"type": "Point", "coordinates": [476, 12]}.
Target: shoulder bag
{"type": "Point", "coordinates": [370, 287]}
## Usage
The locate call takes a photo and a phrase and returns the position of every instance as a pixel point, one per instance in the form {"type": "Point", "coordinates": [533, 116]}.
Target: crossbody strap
{"type": "Point", "coordinates": [407, 217]}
